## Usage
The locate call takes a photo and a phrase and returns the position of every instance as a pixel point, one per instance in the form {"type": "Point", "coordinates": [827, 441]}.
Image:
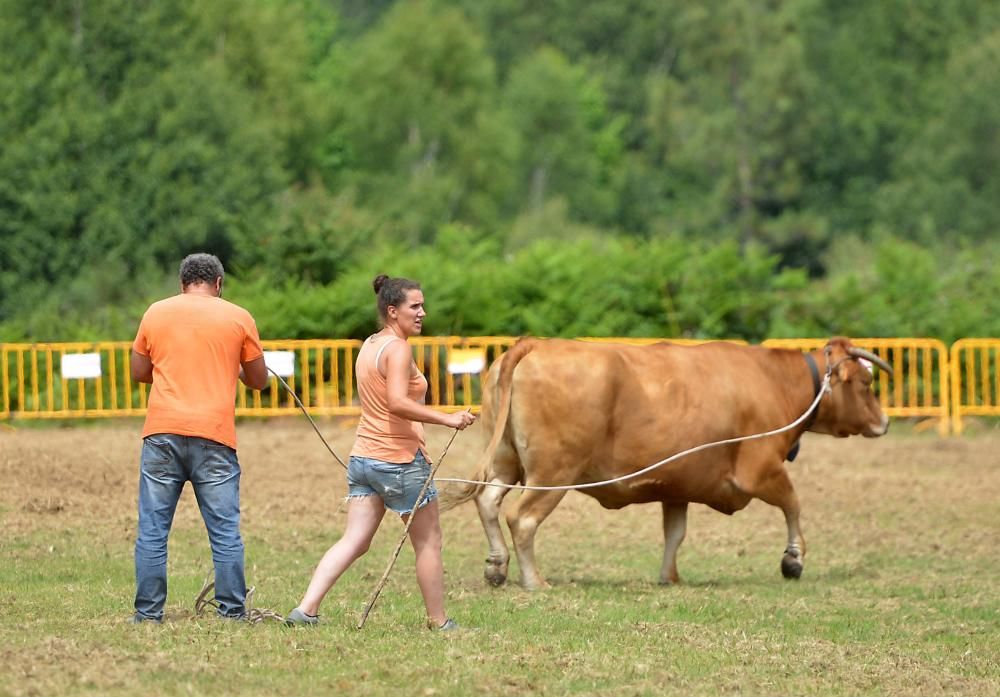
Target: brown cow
{"type": "Point", "coordinates": [571, 412]}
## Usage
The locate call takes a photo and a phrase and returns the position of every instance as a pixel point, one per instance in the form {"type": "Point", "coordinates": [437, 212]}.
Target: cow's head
{"type": "Point", "coordinates": [851, 407]}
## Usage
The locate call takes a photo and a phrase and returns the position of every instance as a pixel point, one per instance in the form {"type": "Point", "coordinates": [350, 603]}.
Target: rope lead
{"type": "Point", "coordinates": [698, 448]}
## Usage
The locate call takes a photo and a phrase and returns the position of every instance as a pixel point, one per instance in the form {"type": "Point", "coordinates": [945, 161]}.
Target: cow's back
{"type": "Point", "coordinates": [583, 412]}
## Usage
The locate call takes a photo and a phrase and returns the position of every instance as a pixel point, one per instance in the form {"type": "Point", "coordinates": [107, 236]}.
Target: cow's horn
{"type": "Point", "coordinates": [861, 353]}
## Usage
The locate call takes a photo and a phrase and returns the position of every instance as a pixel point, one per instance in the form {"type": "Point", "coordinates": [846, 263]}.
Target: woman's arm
{"type": "Point", "coordinates": [397, 358]}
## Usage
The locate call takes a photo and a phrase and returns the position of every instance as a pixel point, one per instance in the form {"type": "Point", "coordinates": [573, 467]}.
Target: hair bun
{"type": "Point", "coordinates": [379, 282]}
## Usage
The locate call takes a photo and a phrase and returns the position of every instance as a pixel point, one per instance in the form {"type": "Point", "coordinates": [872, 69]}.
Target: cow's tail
{"type": "Point", "coordinates": [505, 381]}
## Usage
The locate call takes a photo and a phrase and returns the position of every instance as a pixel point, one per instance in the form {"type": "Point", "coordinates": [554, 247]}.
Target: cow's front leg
{"type": "Point", "coordinates": [532, 508]}
{"type": "Point", "coordinates": [674, 529]}
{"type": "Point", "coordinates": [777, 490]}
{"type": "Point", "coordinates": [488, 502]}
{"type": "Point", "coordinates": [795, 552]}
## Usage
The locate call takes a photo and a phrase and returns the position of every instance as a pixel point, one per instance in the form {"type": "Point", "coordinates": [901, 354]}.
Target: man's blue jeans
{"type": "Point", "coordinates": [168, 461]}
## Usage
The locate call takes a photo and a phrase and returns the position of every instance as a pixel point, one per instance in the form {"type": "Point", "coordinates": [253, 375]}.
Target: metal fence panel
{"type": "Point", "coordinates": [926, 377]}
{"type": "Point", "coordinates": [975, 379]}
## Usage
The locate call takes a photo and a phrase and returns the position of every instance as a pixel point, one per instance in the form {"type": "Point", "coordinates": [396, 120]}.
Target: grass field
{"type": "Point", "coordinates": [900, 594]}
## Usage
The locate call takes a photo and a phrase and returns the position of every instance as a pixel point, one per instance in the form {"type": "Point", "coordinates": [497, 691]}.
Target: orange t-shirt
{"type": "Point", "coordinates": [196, 344]}
{"type": "Point", "coordinates": [381, 434]}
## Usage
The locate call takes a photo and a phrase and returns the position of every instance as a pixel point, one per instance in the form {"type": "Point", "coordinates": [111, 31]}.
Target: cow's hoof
{"type": "Point", "coordinates": [495, 575]}
{"type": "Point", "coordinates": [669, 581]}
{"type": "Point", "coordinates": [791, 567]}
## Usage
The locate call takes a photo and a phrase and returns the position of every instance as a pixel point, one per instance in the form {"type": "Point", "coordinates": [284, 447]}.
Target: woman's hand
{"type": "Point", "coordinates": [460, 420]}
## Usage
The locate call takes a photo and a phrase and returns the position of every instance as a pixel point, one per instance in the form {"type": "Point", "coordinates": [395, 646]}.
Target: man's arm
{"type": "Point", "coordinates": [142, 367]}
{"type": "Point", "coordinates": [254, 373]}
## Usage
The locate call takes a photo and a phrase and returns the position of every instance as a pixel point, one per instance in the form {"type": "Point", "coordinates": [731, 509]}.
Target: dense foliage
{"type": "Point", "coordinates": [740, 168]}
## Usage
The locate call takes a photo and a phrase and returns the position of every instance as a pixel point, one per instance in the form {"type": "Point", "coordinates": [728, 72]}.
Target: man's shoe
{"type": "Point", "coordinates": [298, 618]}
{"type": "Point", "coordinates": [139, 619]}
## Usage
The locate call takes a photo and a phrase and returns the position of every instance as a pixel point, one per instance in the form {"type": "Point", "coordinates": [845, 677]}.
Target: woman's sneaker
{"type": "Point", "coordinates": [449, 625]}
{"type": "Point", "coordinates": [296, 618]}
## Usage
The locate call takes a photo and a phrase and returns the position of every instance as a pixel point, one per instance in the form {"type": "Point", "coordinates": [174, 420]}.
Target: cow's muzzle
{"type": "Point", "coordinates": [879, 430]}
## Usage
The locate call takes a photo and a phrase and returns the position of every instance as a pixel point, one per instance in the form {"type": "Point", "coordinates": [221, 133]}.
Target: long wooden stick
{"type": "Point", "coordinates": [406, 530]}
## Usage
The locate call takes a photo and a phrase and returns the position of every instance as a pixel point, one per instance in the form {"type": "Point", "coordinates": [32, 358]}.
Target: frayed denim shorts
{"type": "Point", "coordinates": [396, 484]}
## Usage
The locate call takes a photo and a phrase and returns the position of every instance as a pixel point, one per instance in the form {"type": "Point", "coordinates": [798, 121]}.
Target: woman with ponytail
{"type": "Point", "coordinates": [389, 462]}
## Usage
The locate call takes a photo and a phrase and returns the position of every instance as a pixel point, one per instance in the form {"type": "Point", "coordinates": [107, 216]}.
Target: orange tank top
{"type": "Point", "coordinates": [381, 434]}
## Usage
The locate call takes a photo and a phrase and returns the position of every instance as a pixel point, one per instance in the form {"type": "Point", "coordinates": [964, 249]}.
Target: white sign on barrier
{"type": "Point", "coordinates": [281, 362]}
{"type": "Point", "coordinates": [466, 361]}
{"type": "Point", "coordinates": [81, 365]}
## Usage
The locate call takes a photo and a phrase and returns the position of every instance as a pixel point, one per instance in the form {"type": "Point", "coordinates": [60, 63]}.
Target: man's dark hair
{"type": "Point", "coordinates": [201, 268]}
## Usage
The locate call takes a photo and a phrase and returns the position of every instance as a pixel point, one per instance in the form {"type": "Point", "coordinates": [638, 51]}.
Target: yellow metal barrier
{"type": "Point", "coordinates": [920, 368]}
{"type": "Point", "coordinates": [645, 341]}
{"type": "Point", "coordinates": [32, 385]}
{"type": "Point", "coordinates": [975, 379]}
{"type": "Point", "coordinates": [323, 380]}
{"type": "Point", "coordinates": [447, 391]}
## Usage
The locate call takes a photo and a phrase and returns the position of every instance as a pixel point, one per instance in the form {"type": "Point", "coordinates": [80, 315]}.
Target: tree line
{"type": "Point", "coordinates": [728, 168]}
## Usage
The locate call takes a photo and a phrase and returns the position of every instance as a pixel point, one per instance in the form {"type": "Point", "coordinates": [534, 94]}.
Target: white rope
{"type": "Point", "coordinates": [824, 388]}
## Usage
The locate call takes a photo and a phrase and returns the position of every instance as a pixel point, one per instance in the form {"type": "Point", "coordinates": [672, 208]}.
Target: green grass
{"type": "Point", "coordinates": [880, 613]}
{"type": "Point", "coordinates": [65, 631]}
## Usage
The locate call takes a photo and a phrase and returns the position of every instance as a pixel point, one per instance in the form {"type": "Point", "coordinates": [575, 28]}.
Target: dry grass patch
{"type": "Point", "coordinates": [899, 595]}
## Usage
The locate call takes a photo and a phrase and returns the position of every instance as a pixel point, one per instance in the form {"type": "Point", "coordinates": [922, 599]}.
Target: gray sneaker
{"type": "Point", "coordinates": [296, 618]}
{"type": "Point", "coordinates": [140, 619]}
{"type": "Point", "coordinates": [449, 625]}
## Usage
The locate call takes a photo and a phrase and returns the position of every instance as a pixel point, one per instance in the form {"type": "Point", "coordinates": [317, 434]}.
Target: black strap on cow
{"type": "Point", "coordinates": [814, 370]}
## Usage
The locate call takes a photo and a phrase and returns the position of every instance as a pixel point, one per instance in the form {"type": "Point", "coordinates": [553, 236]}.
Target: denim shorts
{"type": "Point", "coordinates": [396, 484]}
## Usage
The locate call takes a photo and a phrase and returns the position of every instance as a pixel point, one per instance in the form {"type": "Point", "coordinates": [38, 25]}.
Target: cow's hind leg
{"type": "Point", "coordinates": [674, 529]}
{"type": "Point", "coordinates": [777, 490]}
{"type": "Point", "coordinates": [532, 508]}
{"type": "Point", "coordinates": [488, 503]}
{"type": "Point", "coordinates": [506, 469]}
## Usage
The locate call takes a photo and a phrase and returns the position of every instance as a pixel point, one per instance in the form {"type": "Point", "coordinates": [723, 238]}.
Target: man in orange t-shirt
{"type": "Point", "coordinates": [192, 348]}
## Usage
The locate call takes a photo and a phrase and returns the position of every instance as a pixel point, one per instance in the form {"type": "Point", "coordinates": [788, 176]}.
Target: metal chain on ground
{"type": "Point", "coordinates": [254, 615]}
{"type": "Point", "coordinates": [203, 598]}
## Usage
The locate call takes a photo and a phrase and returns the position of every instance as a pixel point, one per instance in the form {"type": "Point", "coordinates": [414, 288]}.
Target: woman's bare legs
{"type": "Point", "coordinates": [425, 536]}
{"type": "Point", "coordinates": [364, 514]}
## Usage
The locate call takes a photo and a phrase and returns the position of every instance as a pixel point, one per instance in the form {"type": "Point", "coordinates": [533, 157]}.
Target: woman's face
{"type": "Point", "coordinates": [409, 315]}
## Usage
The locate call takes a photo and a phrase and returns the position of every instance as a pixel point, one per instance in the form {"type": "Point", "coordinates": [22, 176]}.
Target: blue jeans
{"type": "Point", "coordinates": [168, 461]}
{"type": "Point", "coordinates": [396, 484]}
